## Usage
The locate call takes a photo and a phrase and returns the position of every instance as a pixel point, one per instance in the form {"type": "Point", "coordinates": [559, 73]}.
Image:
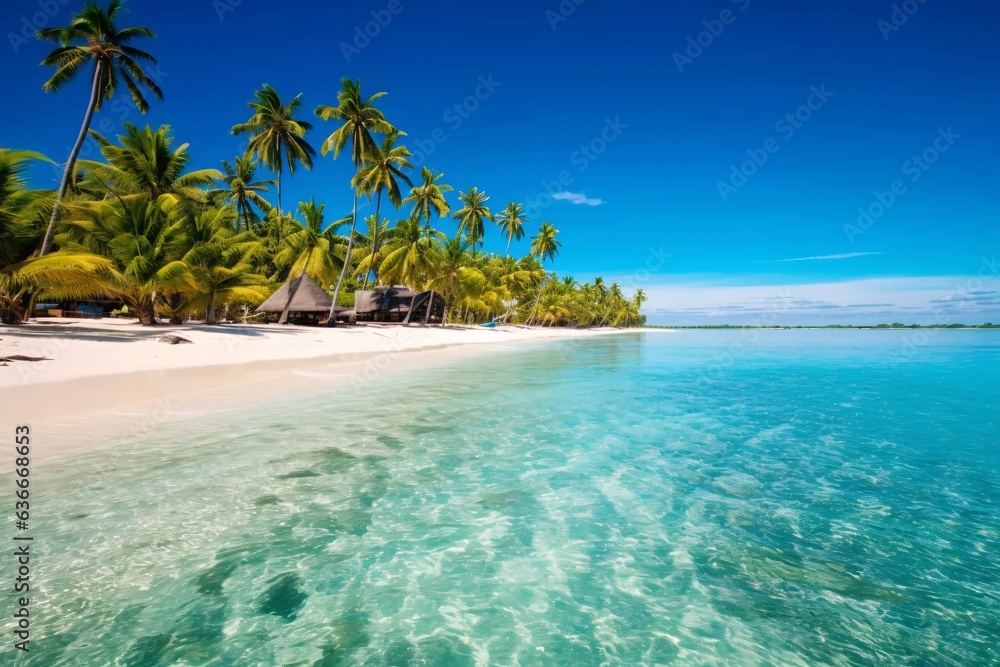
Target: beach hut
{"type": "Point", "coordinates": [302, 296]}
{"type": "Point", "coordinates": [398, 304]}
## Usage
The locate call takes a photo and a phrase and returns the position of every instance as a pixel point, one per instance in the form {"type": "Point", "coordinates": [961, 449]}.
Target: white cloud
{"type": "Point", "coordinates": [847, 255]}
{"type": "Point", "coordinates": [577, 198]}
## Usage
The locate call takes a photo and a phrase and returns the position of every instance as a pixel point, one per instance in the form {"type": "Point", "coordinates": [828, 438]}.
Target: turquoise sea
{"type": "Point", "coordinates": [696, 498]}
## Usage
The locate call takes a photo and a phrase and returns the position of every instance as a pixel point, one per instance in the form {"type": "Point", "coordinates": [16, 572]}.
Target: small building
{"type": "Point", "coordinates": [397, 304]}
{"type": "Point", "coordinates": [301, 300]}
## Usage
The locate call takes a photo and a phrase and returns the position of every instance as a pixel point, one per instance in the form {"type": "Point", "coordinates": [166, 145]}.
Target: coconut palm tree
{"type": "Point", "coordinates": [93, 36]}
{"type": "Point", "coordinates": [18, 205]}
{"type": "Point", "coordinates": [544, 245]}
{"type": "Point", "coordinates": [277, 137]}
{"type": "Point", "coordinates": [512, 222]}
{"type": "Point", "coordinates": [411, 256]}
{"type": "Point", "coordinates": [472, 215]}
{"type": "Point", "coordinates": [242, 193]}
{"type": "Point", "coordinates": [311, 249]}
{"type": "Point", "coordinates": [428, 198]}
{"type": "Point", "coordinates": [383, 167]}
{"type": "Point", "coordinates": [23, 214]}
{"type": "Point", "coordinates": [145, 164]}
{"type": "Point", "coordinates": [140, 238]}
{"type": "Point", "coordinates": [360, 118]}
{"type": "Point", "coordinates": [376, 235]}
{"type": "Point", "coordinates": [221, 262]}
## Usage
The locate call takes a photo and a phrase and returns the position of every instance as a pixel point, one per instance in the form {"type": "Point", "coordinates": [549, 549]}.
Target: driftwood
{"type": "Point", "coordinates": [174, 340]}
{"type": "Point", "coordinates": [21, 357]}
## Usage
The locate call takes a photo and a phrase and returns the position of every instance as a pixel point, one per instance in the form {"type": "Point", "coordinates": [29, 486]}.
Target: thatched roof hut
{"type": "Point", "coordinates": [299, 295]}
{"type": "Point", "coordinates": [398, 304]}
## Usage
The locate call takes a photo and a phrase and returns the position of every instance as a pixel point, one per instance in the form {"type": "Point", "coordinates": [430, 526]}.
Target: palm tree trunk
{"type": "Point", "coordinates": [71, 162]}
{"type": "Point", "coordinates": [371, 260]}
{"type": "Point", "coordinates": [332, 321]}
{"type": "Point", "coordinates": [507, 253]}
{"type": "Point", "coordinates": [534, 309]}
{"type": "Point", "coordinates": [210, 311]}
{"type": "Point", "coordinates": [430, 304]}
{"type": "Point", "coordinates": [279, 189]}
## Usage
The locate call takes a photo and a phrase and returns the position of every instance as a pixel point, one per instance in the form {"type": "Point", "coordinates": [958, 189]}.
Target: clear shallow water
{"type": "Point", "coordinates": [690, 499]}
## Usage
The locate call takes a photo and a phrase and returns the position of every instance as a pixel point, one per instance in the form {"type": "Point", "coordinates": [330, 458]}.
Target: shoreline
{"type": "Point", "coordinates": [105, 383]}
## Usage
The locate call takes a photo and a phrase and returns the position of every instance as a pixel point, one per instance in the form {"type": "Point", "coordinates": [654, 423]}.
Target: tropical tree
{"type": "Point", "coordinates": [428, 198]}
{"type": "Point", "coordinates": [512, 222]}
{"type": "Point", "coordinates": [140, 238]}
{"type": "Point", "coordinates": [311, 249]}
{"type": "Point", "coordinates": [92, 36]}
{"type": "Point", "coordinates": [59, 275]}
{"type": "Point", "coordinates": [18, 205]}
{"type": "Point", "coordinates": [382, 173]}
{"type": "Point", "coordinates": [544, 245]}
{"type": "Point", "coordinates": [220, 260]}
{"type": "Point", "coordinates": [411, 256]}
{"type": "Point", "coordinates": [376, 236]}
{"type": "Point", "coordinates": [472, 216]}
{"type": "Point", "coordinates": [242, 193]}
{"type": "Point", "coordinates": [145, 164]}
{"type": "Point", "coordinates": [360, 118]}
{"type": "Point", "coordinates": [277, 137]}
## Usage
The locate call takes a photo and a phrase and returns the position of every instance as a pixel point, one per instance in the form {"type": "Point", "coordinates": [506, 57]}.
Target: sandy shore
{"type": "Point", "coordinates": [102, 379]}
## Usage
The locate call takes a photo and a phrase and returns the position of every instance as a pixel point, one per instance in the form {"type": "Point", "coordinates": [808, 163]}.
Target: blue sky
{"type": "Point", "coordinates": [693, 148]}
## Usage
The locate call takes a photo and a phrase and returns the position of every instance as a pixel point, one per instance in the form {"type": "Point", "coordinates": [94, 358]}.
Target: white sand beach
{"type": "Point", "coordinates": [102, 377]}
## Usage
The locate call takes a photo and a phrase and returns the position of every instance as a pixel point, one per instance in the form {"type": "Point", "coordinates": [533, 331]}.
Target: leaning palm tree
{"type": "Point", "coordinates": [471, 217]}
{"type": "Point", "coordinates": [544, 245]}
{"type": "Point", "coordinates": [92, 36]}
{"type": "Point", "coordinates": [512, 222]}
{"type": "Point", "coordinates": [146, 164]}
{"type": "Point", "coordinates": [428, 198]}
{"type": "Point", "coordinates": [242, 193]}
{"type": "Point", "coordinates": [360, 118]}
{"type": "Point", "coordinates": [383, 167]}
{"type": "Point", "coordinates": [277, 137]}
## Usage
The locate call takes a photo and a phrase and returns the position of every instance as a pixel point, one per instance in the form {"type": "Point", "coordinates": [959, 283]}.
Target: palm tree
{"type": "Point", "coordinates": [16, 205]}
{"type": "Point", "coordinates": [114, 59]}
{"type": "Point", "coordinates": [310, 249]}
{"type": "Point", "coordinates": [382, 167]}
{"type": "Point", "coordinates": [277, 137]}
{"type": "Point", "coordinates": [512, 222]}
{"type": "Point", "coordinates": [140, 238]}
{"type": "Point", "coordinates": [145, 165]}
{"type": "Point", "coordinates": [242, 193]}
{"type": "Point", "coordinates": [23, 212]}
{"type": "Point", "coordinates": [471, 216]}
{"type": "Point", "coordinates": [221, 264]}
{"type": "Point", "coordinates": [411, 256]}
{"type": "Point", "coordinates": [544, 245]}
{"type": "Point", "coordinates": [428, 198]}
{"type": "Point", "coordinates": [360, 118]}
{"type": "Point", "coordinates": [377, 236]}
